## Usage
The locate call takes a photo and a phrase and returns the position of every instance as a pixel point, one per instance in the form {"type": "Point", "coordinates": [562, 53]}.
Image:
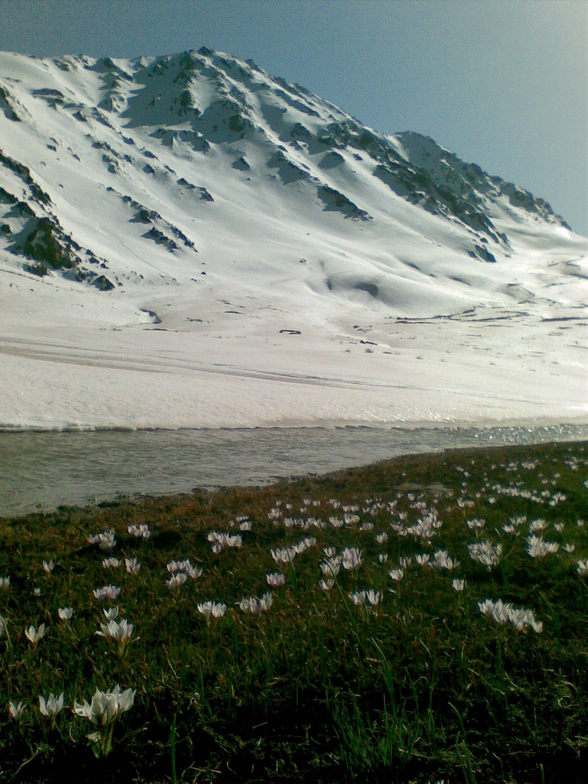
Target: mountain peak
{"type": "Point", "coordinates": [151, 141]}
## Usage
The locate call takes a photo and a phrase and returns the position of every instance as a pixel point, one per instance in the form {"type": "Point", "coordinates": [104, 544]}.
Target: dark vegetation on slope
{"type": "Point", "coordinates": [418, 687]}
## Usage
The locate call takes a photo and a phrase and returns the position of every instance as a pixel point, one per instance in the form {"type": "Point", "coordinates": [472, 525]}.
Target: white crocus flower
{"type": "Point", "coordinates": [177, 579]}
{"type": "Point", "coordinates": [51, 706]}
{"type": "Point", "coordinates": [102, 711]}
{"type": "Point", "coordinates": [107, 592]}
{"type": "Point", "coordinates": [275, 579]}
{"type": "Point", "coordinates": [582, 567]}
{"type": "Point", "coordinates": [538, 547]}
{"type": "Point", "coordinates": [16, 710]}
{"type": "Point", "coordinates": [443, 561]}
{"type": "Point", "coordinates": [49, 566]}
{"type": "Point", "coordinates": [396, 574]}
{"type": "Point", "coordinates": [139, 531]}
{"type": "Point", "coordinates": [502, 612]}
{"type": "Point", "coordinates": [254, 605]}
{"type": "Point", "coordinates": [185, 567]}
{"type": "Point", "coordinates": [132, 565]}
{"type": "Point", "coordinates": [283, 555]}
{"type": "Point", "coordinates": [331, 566]}
{"type": "Point", "coordinates": [214, 609]}
{"type": "Point", "coordinates": [105, 540]}
{"type": "Point", "coordinates": [351, 558]}
{"type": "Point", "coordinates": [110, 563]}
{"type": "Point", "coordinates": [65, 613]}
{"type": "Point", "coordinates": [121, 632]}
{"type": "Point", "coordinates": [4, 583]}
{"type": "Point", "coordinates": [458, 585]}
{"type": "Point", "coordinates": [486, 553]}
{"type": "Point", "coordinates": [326, 585]}
{"type": "Point", "coordinates": [33, 635]}
{"type": "Point", "coordinates": [373, 597]}
{"type": "Point", "coordinates": [110, 613]}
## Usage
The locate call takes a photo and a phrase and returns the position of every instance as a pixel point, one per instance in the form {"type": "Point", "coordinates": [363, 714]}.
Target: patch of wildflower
{"type": "Point", "coordinates": [185, 567]}
{"type": "Point", "coordinates": [304, 544]}
{"type": "Point", "coordinates": [351, 558]}
{"type": "Point", "coordinates": [106, 592]}
{"type": "Point", "coordinates": [442, 560]}
{"type": "Point", "coordinates": [255, 605]}
{"type": "Point", "coordinates": [221, 540]}
{"type": "Point", "coordinates": [538, 547]}
{"type": "Point", "coordinates": [275, 579]}
{"type": "Point", "coordinates": [121, 632]}
{"type": "Point", "coordinates": [176, 579]}
{"type": "Point", "coordinates": [504, 612]}
{"type": "Point", "coordinates": [139, 531]}
{"type": "Point", "coordinates": [369, 597]}
{"type": "Point", "coordinates": [513, 525]}
{"type": "Point", "coordinates": [105, 540]}
{"type": "Point", "coordinates": [426, 527]}
{"type": "Point", "coordinates": [487, 553]}
{"type": "Point", "coordinates": [212, 609]}
{"type": "Point", "coordinates": [283, 555]}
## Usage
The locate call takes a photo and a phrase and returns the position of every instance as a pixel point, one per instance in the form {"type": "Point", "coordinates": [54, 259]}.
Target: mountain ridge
{"type": "Point", "coordinates": [208, 98]}
{"type": "Point", "coordinates": [191, 221]}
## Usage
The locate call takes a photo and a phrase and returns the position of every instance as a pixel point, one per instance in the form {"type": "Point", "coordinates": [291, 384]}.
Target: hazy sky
{"type": "Point", "coordinates": [501, 83]}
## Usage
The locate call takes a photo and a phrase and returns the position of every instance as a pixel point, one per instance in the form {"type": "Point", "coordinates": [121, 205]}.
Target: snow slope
{"type": "Point", "coordinates": [186, 241]}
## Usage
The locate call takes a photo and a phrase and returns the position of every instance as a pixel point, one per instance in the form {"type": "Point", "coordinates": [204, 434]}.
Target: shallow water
{"type": "Point", "coordinates": [42, 470]}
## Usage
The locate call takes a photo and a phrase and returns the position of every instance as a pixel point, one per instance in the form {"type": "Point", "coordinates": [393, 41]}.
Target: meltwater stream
{"type": "Point", "coordinates": [42, 470]}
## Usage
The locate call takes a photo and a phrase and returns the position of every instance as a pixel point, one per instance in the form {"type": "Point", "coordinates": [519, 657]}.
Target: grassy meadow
{"type": "Point", "coordinates": [418, 620]}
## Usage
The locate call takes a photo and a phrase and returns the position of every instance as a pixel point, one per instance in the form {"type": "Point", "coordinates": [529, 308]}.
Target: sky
{"type": "Point", "coordinates": [502, 83]}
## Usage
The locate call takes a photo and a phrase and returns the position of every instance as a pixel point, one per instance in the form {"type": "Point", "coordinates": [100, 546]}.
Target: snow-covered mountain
{"type": "Point", "coordinates": [191, 216]}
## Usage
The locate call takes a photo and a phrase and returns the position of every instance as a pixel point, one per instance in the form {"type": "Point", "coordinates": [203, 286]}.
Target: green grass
{"type": "Point", "coordinates": [419, 688]}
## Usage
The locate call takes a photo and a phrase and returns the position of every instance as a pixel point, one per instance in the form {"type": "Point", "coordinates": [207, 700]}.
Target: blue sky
{"type": "Point", "coordinates": [501, 83]}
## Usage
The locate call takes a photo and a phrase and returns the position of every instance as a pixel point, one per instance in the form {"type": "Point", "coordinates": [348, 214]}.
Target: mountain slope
{"type": "Point", "coordinates": [195, 196]}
